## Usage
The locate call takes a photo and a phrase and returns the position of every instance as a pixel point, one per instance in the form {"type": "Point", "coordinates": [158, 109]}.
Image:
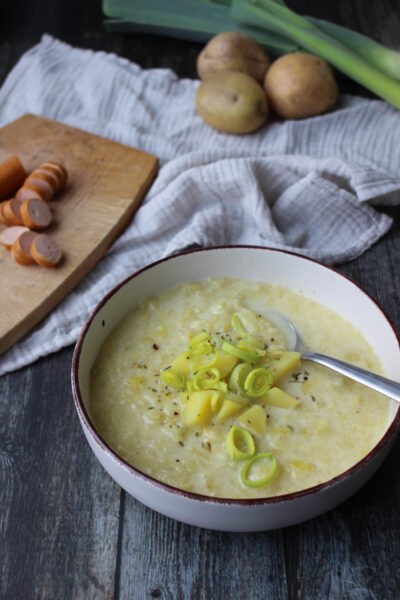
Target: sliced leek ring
{"type": "Point", "coordinates": [241, 353]}
{"type": "Point", "coordinates": [240, 443]}
{"type": "Point", "coordinates": [269, 475]}
{"type": "Point", "coordinates": [258, 382]}
{"type": "Point", "coordinates": [173, 378]}
{"type": "Point", "coordinates": [238, 377]}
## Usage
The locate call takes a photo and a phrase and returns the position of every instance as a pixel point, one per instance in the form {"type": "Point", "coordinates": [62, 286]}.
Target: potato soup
{"type": "Point", "coordinates": [198, 390]}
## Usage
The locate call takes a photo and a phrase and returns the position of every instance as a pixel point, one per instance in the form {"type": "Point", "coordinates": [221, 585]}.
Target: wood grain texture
{"type": "Point", "coordinates": [200, 564]}
{"type": "Point", "coordinates": [92, 540]}
{"type": "Point", "coordinates": [106, 184]}
{"type": "Point", "coordinates": [55, 501]}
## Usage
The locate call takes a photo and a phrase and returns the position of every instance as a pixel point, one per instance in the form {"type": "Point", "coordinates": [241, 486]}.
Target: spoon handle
{"type": "Point", "coordinates": [376, 382]}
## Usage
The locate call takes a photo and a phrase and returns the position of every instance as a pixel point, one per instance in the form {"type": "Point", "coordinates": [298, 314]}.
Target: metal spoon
{"type": "Point", "coordinates": [376, 382]}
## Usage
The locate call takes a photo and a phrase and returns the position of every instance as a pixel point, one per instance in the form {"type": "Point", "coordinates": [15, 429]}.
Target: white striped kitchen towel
{"type": "Point", "coordinates": [307, 186]}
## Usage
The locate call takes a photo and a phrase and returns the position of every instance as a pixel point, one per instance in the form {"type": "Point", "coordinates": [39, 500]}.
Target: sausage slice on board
{"type": "Point", "coordinates": [58, 169]}
{"type": "Point", "coordinates": [46, 252]}
{"type": "Point", "coordinates": [43, 188]}
{"type": "Point", "coordinates": [11, 212]}
{"type": "Point", "coordinates": [26, 194]}
{"type": "Point", "coordinates": [35, 214]}
{"type": "Point", "coordinates": [21, 248]}
{"type": "Point", "coordinates": [51, 178]}
{"type": "Point", "coordinates": [9, 235]}
{"type": "Point", "coordinates": [15, 208]}
{"type": "Point", "coordinates": [3, 218]}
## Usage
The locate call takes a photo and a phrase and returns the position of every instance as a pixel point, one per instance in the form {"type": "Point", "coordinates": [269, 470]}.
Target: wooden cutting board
{"type": "Point", "coordinates": [107, 182]}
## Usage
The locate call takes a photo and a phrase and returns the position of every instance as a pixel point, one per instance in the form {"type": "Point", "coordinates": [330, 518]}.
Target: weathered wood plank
{"type": "Point", "coordinates": [347, 552]}
{"type": "Point", "coordinates": [161, 558]}
{"type": "Point", "coordinates": [59, 513]}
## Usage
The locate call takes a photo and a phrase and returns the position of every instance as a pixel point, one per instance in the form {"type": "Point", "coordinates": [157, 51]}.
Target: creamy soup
{"type": "Point", "coordinates": [327, 424]}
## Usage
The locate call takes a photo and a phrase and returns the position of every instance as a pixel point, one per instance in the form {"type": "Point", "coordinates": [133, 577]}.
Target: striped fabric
{"type": "Point", "coordinates": [307, 186]}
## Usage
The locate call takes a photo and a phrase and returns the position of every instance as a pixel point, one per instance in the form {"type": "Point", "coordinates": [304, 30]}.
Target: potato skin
{"type": "Point", "coordinates": [232, 102]}
{"type": "Point", "coordinates": [233, 51]}
{"type": "Point", "coordinates": [300, 85]}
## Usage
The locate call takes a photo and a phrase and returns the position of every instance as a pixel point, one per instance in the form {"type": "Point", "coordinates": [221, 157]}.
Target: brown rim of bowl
{"type": "Point", "coordinates": [80, 407]}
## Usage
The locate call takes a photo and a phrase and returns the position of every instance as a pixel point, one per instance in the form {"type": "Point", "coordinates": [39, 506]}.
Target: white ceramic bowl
{"type": "Point", "coordinates": [262, 264]}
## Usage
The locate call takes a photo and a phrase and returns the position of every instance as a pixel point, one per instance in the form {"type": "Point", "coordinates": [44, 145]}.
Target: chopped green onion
{"type": "Point", "coordinates": [258, 382]}
{"type": "Point", "coordinates": [201, 348]}
{"type": "Point", "coordinates": [203, 381]}
{"type": "Point", "coordinates": [240, 353]}
{"type": "Point", "coordinates": [222, 386]}
{"type": "Point", "coordinates": [202, 362]}
{"type": "Point", "coordinates": [247, 344]}
{"type": "Point", "coordinates": [238, 325]}
{"type": "Point", "coordinates": [255, 340]}
{"type": "Point", "coordinates": [269, 475]}
{"type": "Point", "coordinates": [173, 378]}
{"type": "Point", "coordinates": [240, 443]}
{"type": "Point", "coordinates": [238, 377]}
{"type": "Point", "coordinates": [202, 337]}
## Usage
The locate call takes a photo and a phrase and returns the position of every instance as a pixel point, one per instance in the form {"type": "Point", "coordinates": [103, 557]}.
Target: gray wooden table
{"type": "Point", "coordinates": [67, 531]}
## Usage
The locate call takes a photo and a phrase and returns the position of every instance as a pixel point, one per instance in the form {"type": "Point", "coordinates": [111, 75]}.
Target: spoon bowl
{"type": "Point", "coordinates": [380, 384]}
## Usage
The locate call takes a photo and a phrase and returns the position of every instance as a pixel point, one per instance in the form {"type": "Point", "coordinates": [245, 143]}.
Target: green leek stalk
{"type": "Point", "coordinates": [202, 18]}
{"type": "Point", "coordinates": [385, 59]}
{"type": "Point", "coordinates": [278, 18]}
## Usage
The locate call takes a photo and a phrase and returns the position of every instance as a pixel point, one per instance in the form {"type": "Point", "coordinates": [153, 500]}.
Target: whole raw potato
{"type": "Point", "coordinates": [300, 85]}
{"type": "Point", "coordinates": [232, 102]}
{"type": "Point", "coordinates": [232, 51]}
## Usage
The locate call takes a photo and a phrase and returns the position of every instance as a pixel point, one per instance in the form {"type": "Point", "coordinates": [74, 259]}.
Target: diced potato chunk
{"type": "Point", "coordinates": [282, 363]}
{"type": "Point", "coordinates": [181, 363]}
{"type": "Point", "coordinates": [197, 411]}
{"type": "Point", "coordinates": [228, 409]}
{"type": "Point", "coordinates": [279, 398]}
{"type": "Point", "coordinates": [254, 419]}
{"type": "Point", "coordinates": [225, 363]}
{"type": "Point", "coordinates": [216, 401]}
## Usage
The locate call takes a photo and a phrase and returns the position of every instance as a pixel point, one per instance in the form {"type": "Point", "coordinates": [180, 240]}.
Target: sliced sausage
{"type": "Point", "coordinates": [10, 234]}
{"type": "Point", "coordinates": [51, 178]}
{"type": "Point", "coordinates": [46, 252]}
{"type": "Point", "coordinates": [43, 188]}
{"type": "Point", "coordinates": [58, 169]}
{"type": "Point", "coordinates": [12, 175]}
{"type": "Point", "coordinates": [35, 214]}
{"type": "Point", "coordinates": [3, 218]}
{"type": "Point", "coordinates": [21, 248]}
{"type": "Point", "coordinates": [26, 194]}
{"type": "Point", "coordinates": [54, 170]}
{"type": "Point", "coordinates": [15, 207]}
{"type": "Point", "coordinates": [11, 216]}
